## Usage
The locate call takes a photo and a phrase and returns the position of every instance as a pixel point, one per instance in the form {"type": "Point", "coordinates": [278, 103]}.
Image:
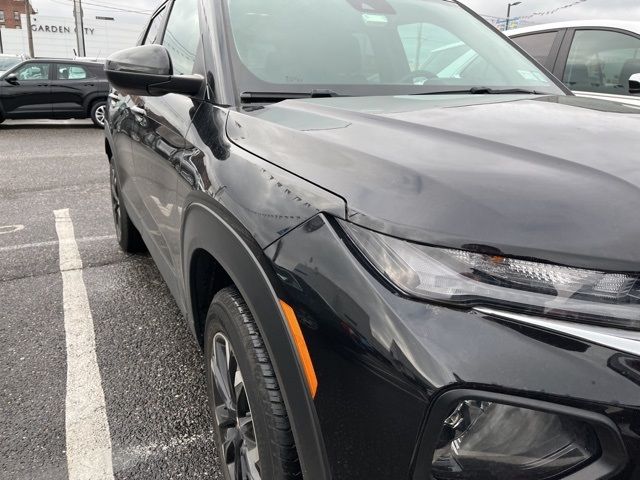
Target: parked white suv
{"type": "Point", "coordinates": [595, 58]}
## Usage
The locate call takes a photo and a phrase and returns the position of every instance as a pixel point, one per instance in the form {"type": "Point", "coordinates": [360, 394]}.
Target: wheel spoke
{"type": "Point", "coordinates": [249, 452]}
{"type": "Point", "coordinates": [221, 374]}
{"type": "Point", "coordinates": [242, 405]}
{"type": "Point", "coordinates": [224, 417]}
{"type": "Point", "coordinates": [229, 446]}
{"type": "Point", "coordinates": [233, 454]}
{"type": "Point", "coordinates": [231, 460]}
{"type": "Point", "coordinates": [249, 460]}
{"type": "Point", "coordinates": [245, 426]}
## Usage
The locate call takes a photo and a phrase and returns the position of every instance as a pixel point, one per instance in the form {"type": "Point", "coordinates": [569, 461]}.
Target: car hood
{"type": "Point", "coordinates": [552, 178]}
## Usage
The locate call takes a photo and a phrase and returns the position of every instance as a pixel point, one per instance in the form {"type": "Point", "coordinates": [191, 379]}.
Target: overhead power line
{"type": "Point", "coordinates": [554, 10]}
{"type": "Point", "coordinates": [93, 5]}
{"type": "Point", "coordinates": [541, 13]}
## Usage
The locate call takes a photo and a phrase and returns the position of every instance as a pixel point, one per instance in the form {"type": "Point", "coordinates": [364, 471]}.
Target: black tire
{"type": "Point", "coordinates": [229, 320]}
{"type": "Point", "coordinates": [98, 113]}
{"type": "Point", "coordinates": [127, 234]}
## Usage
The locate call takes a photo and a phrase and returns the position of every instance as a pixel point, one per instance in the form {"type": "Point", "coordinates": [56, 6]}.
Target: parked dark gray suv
{"type": "Point", "coordinates": [394, 273]}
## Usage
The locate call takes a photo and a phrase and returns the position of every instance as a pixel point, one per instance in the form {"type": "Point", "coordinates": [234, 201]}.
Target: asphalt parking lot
{"type": "Point", "coordinates": [150, 368]}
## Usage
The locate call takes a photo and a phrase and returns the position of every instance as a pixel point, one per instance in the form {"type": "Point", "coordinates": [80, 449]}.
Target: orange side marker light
{"type": "Point", "coordinates": [301, 347]}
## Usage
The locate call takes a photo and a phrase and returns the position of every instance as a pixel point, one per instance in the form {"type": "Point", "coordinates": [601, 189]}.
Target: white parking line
{"type": "Point", "coordinates": [87, 429]}
{"type": "Point", "coordinates": [25, 246]}
{"type": "Point", "coordinates": [10, 229]}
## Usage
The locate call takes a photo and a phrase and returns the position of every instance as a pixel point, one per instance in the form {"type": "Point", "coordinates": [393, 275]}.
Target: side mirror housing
{"type": "Point", "coordinates": [634, 83]}
{"type": "Point", "coordinates": [12, 78]}
{"type": "Point", "coordinates": [146, 70]}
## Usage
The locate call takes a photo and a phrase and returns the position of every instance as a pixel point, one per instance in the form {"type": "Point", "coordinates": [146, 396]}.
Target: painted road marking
{"type": "Point", "coordinates": [10, 228]}
{"type": "Point", "coordinates": [87, 428]}
{"type": "Point", "coordinates": [49, 243]}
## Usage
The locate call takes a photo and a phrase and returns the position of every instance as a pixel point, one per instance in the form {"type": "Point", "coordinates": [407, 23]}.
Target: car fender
{"type": "Point", "coordinates": [108, 141]}
{"type": "Point", "coordinates": [207, 226]}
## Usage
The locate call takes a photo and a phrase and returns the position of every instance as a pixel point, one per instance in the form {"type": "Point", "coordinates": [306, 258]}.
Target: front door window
{"type": "Point", "coordinates": [33, 71]}
{"type": "Point", "coordinates": [602, 61]}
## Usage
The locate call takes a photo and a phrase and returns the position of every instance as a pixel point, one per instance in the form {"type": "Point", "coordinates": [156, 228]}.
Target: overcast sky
{"type": "Point", "coordinates": [589, 9]}
{"type": "Point", "coordinates": [127, 10]}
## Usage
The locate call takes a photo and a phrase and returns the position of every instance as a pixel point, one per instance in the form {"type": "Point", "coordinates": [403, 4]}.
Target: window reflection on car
{"type": "Point", "coordinates": [602, 61]}
{"type": "Point", "coordinates": [33, 72]}
{"type": "Point", "coordinates": [359, 50]}
{"type": "Point", "coordinates": [71, 72]}
{"type": "Point", "coordinates": [594, 58]}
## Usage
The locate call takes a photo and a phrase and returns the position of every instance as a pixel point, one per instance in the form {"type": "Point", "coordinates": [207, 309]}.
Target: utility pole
{"type": "Point", "coordinates": [509, 13]}
{"type": "Point", "coordinates": [29, 31]}
{"type": "Point", "coordinates": [1, 47]}
{"type": "Point", "coordinates": [77, 13]}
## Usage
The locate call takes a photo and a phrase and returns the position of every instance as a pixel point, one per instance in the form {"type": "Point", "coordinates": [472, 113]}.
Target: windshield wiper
{"type": "Point", "coordinates": [272, 97]}
{"type": "Point", "coordinates": [486, 91]}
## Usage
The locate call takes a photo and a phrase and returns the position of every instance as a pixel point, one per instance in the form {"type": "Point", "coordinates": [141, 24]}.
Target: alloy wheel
{"type": "Point", "coordinates": [240, 455]}
{"type": "Point", "coordinates": [100, 114]}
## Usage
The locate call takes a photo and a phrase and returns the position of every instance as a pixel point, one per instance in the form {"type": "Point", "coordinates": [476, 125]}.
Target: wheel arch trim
{"type": "Point", "coordinates": [91, 99]}
{"type": "Point", "coordinates": [230, 245]}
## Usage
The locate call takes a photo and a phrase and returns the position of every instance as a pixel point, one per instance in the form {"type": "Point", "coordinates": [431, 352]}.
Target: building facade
{"type": "Point", "coordinates": [56, 36]}
{"type": "Point", "coordinates": [11, 12]}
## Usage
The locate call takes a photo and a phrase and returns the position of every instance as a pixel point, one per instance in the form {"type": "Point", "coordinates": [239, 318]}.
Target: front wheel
{"type": "Point", "coordinates": [254, 439]}
{"type": "Point", "coordinates": [98, 113]}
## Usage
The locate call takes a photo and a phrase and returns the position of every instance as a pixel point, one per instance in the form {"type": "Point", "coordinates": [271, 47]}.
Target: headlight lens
{"type": "Point", "coordinates": [496, 441]}
{"type": "Point", "coordinates": [473, 279]}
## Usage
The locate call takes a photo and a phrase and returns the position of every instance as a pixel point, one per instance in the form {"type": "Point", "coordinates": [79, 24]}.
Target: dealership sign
{"type": "Point", "coordinates": [59, 29]}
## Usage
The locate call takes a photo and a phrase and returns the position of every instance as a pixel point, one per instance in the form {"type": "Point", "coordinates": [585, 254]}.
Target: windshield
{"type": "Point", "coordinates": [372, 47]}
{"type": "Point", "coordinates": [7, 62]}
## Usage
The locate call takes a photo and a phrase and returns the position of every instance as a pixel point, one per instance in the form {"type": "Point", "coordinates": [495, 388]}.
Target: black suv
{"type": "Point", "coordinates": [394, 272]}
{"type": "Point", "coordinates": [54, 88]}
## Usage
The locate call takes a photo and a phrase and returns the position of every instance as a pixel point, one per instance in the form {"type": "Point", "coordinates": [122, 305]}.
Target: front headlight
{"type": "Point", "coordinates": [472, 279]}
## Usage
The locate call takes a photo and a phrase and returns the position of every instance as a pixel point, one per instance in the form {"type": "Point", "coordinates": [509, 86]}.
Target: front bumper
{"type": "Point", "coordinates": [383, 361]}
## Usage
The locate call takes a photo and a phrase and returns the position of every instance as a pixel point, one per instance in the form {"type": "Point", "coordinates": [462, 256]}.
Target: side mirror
{"type": "Point", "coordinates": [634, 83]}
{"type": "Point", "coordinates": [12, 78]}
{"type": "Point", "coordinates": [147, 71]}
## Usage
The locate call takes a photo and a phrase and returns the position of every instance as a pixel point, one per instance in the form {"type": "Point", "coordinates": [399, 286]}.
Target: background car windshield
{"type": "Point", "coordinates": [372, 46]}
